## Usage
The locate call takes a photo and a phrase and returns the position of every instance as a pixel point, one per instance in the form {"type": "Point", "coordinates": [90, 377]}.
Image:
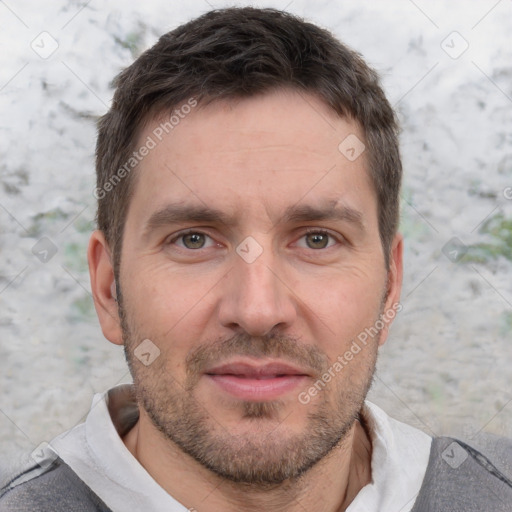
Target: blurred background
{"type": "Point", "coordinates": [447, 69]}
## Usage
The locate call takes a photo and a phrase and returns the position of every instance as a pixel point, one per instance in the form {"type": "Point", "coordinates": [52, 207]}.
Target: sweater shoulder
{"type": "Point", "coordinates": [55, 489]}
{"type": "Point", "coordinates": [462, 477]}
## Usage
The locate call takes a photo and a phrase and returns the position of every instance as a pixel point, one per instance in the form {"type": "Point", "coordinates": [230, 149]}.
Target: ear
{"type": "Point", "coordinates": [103, 287]}
{"type": "Point", "coordinates": [395, 276]}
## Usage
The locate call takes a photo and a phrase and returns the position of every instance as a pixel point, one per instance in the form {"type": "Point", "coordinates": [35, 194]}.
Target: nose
{"type": "Point", "coordinates": [256, 297]}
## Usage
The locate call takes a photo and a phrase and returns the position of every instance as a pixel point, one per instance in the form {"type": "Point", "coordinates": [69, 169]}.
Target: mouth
{"type": "Point", "coordinates": [256, 380]}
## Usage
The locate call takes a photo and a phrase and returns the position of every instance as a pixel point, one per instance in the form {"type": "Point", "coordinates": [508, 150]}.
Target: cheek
{"type": "Point", "coordinates": [167, 306]}
{"type": "Point", "coordinates": [343, 304]}
{"type": "Point", "coordinates": [162, 291]}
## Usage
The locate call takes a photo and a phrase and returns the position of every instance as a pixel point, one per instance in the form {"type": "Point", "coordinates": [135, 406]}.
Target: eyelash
{"type": "Point", "coordinates": [309, 231]}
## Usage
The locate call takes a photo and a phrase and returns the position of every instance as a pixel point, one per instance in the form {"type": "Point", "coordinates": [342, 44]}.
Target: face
{"type": "Point", "coordinates": [252, 262]}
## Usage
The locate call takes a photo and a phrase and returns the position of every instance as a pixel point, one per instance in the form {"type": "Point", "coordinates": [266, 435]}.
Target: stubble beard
{"type": "Point", "coordinates": [268, 456]}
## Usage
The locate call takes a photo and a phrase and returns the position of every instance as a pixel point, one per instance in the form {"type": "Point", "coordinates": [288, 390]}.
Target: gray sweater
{"type": "Point", "coordinates": [459, 478]}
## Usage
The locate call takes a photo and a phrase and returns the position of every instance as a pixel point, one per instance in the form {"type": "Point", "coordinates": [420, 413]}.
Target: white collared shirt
{"type": "Point", "coordinates": [98, 455]}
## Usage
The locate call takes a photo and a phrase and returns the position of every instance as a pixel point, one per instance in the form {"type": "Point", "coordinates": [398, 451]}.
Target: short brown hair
{"type": "Point", "coordinates": [237, 53]}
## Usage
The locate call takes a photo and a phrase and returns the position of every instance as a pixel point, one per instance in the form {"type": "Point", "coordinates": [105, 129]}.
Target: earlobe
{"type": "Point", "coordinates": [103, 287]}
{"type": "Point", "coordinates": [395, 276]}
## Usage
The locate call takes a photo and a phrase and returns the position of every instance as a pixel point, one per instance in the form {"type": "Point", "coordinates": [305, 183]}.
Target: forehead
{"type": "Point", "coordinates": [264, 154]}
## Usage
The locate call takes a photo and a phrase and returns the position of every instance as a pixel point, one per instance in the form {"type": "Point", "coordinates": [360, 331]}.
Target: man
{"type": "Point", "coordinates": [247, 257]}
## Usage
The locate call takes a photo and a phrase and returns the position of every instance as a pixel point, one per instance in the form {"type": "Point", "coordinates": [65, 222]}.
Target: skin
{"type": "Point", "coordinates": [252, 159]}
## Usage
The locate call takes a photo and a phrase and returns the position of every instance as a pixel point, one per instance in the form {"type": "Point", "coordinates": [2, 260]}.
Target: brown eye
{"type": "Point", "coordinates": [193, 240]}
{"type": "Point", "coordinates": [317, 240]}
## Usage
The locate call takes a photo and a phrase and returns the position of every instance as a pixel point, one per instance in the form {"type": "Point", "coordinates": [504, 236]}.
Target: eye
{"type": "Point", "coordinates": [318, 239]}
{"type": "Point", "coordinates": [192, 240]}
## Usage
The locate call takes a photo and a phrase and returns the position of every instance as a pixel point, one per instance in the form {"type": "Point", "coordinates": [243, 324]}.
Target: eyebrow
{"type": "Point", "coordinates": [180, 213]}
{"type": "Point", "coordinates": [331, 211]}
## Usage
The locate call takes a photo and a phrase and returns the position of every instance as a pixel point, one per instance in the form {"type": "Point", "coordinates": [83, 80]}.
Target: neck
{"type": "Point", "coordinates": [330, 485]}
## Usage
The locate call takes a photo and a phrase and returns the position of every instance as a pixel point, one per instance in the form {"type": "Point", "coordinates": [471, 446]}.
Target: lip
{"type": "Point", "coordinates": [256, 380]}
